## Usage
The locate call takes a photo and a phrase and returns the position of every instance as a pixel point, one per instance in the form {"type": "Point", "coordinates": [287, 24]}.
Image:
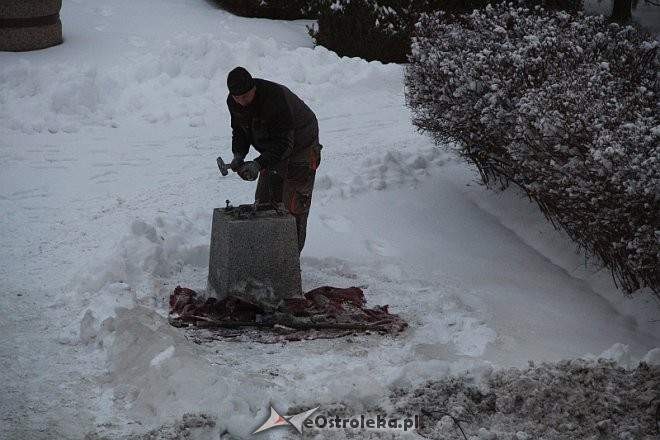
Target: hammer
{"type": "Point", "coordinates": [224, 168]}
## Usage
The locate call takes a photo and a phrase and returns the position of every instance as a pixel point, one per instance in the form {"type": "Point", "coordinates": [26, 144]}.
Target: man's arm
{"type": "Point", "coordinates": [239, 141]}
{"type": "Point", "coordinates": [240, 144]}
{"type": "Point", "coordinates": [276, 147]}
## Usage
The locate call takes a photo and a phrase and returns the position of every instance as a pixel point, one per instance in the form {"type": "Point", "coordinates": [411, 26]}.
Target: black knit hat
{"type": "Point", "coordinates": [239, 81]}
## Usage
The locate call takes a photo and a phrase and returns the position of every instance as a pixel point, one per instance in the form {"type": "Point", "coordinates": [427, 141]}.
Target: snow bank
{"type": "Point", "coordinates": [158, 376]}
{"type": "Point", "coordinates": [389, 169]}
{"type": "Point", "coordinates": [183, 82]}
{"type": "Point", "coordinates": [564, 400]}
{"type": "Point", "coordinates": [143, 268]}
{"type": "Point", "coordinates": [527, 222]}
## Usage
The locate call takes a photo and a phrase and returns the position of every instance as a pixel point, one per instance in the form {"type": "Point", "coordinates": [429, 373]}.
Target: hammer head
{"type": "Point", "coordinates": [223, 166]}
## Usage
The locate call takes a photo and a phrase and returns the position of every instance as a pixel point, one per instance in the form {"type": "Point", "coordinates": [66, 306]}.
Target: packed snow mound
{"type": "Point", "coordinates": [565, 400]}
{"type": "Point", "coordinates": [144, 262]}
{"type": "Point", "coordinates": [652, 357]}
{"type": "Point", "coordinates": [183, 82]}
{"type": "Point", "coordinates": [157, 375]}
{"type": "Point", "coordinates": [382, 170]}
{"type": "Point", "coordinates": [189, 426]}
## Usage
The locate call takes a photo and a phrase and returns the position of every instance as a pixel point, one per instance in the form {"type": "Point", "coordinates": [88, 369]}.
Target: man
{"type": "Point", "coordinates": [283, 129]}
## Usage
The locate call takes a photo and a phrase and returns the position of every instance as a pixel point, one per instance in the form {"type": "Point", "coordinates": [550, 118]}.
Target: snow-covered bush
{"type": "Point", "coordinates": [381, 29]}
{"type": "Point", "coordinates": [276, 9]}
{"type": "Point", "coordinates": [565, 107]}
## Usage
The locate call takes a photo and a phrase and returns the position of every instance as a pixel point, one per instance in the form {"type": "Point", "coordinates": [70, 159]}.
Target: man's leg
{"type": "Point", "coordinates": [297, 195]}
{"type": "Point", "coordinates": [269, 188]}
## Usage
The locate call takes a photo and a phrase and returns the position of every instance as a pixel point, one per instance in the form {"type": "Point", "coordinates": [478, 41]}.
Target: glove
{"type": "Point", "coordinates": [236, 163]}
{"type": "Point", "coordinates": [249, 170]}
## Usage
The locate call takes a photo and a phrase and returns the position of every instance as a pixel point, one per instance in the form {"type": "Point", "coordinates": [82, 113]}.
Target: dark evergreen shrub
{"type": "Point", "coordinates": [275, 9]}
{"type": "Point", "coordinates": [564, 106]}
{"type": "Point", "coordinates": [376, 29]}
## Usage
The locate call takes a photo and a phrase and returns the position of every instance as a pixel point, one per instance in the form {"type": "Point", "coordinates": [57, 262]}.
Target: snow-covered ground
{"type": "Point", "coordinates": [107, 149]}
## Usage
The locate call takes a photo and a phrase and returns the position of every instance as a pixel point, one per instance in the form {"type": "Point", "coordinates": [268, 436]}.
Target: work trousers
{"type": "Point", "coordinates": [291, 183]}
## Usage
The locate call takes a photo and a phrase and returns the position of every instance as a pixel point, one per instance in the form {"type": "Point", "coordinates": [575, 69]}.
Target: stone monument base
{"type": "Point", "coordinates": [254, 248]}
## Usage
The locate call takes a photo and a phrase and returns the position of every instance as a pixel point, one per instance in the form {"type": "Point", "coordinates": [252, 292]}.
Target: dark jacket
{"type": "Point", "coordinates": [277, 123]}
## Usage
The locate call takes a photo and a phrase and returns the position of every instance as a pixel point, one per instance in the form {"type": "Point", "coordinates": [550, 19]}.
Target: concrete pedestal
{"type": "Point", "coordinates": [262, 248]}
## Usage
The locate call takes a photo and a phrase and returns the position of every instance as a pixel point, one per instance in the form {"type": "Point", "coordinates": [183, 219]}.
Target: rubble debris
{"type": "Point", "coordinates": [324, 312]}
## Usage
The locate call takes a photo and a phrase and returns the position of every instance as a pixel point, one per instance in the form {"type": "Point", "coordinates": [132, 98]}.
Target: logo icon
{"type": "Point", "coordinates": [295, 420]}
